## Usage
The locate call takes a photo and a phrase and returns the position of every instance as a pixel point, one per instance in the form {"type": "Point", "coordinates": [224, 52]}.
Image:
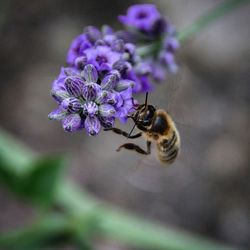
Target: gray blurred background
{"type": "Point", "coordinates": [207, 189]}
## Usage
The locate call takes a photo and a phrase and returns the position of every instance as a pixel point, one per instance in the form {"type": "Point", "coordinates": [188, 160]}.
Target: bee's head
{"type": "Point", "coordinates": [144, 115]}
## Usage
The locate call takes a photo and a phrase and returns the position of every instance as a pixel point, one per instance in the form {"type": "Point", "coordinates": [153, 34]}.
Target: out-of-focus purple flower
{"type": "Point", "coordinates": [87, 99]}
{"type": "Point", "coordinates": [102, 57]}
{"type": "Point", "coordinates": [78, 45]}
{"type": "Point", "coordinates": [147, 25]}
{"type": "Point", "coordinates": [144, 18]}
{"type": "Point", "coordinates": [165, 60]}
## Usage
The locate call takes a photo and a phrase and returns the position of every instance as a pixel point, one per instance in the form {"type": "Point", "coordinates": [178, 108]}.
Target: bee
{"type": "Point", "coordinates": [157, 126]}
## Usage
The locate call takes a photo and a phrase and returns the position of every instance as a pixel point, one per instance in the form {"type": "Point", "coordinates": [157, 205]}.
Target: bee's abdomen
{"type": "Point", "coordinates": [168, 149]}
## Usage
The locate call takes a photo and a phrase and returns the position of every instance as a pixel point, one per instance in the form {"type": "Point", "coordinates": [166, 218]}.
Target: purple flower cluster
{"type": "Point", "coordinates": [107, 51]}
{"type": "Point", "coordinates": [104, 68]}
{"type": "Point", "coordinates": [87, 100]}
{"type": "Point", "coordinates": [146, 25]}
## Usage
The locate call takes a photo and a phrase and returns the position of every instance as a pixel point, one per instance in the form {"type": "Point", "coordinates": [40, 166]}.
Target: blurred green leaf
{"type": "Point", "coordinates": [40, 185]}
{"type": "Point", "coordinates": [27, 175]}
{"type": "Point", "coordinates": [15, 158]}
{"type": "Point", "coordinates": [44, 232]}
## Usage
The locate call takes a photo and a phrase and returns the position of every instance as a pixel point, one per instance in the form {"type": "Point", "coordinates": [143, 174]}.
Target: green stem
{"type": "Point", "coordinates": [205, 20]}
{"type": "Point", "coordinates": [31, 236]}
{"type": "Point", "coordinates": [104, 220]}
{"type": "Point", "coordinates": [86, 217]}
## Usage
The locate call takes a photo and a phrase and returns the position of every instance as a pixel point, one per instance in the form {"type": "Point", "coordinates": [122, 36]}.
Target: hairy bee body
{"type": "Point", "coordinates": [166, 136]}
{"type": "Point", "coordinates": [157, 126]}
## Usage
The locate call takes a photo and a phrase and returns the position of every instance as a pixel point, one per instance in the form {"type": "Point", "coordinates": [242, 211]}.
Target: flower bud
{"type": "Point", "coordinates": [109, 81]}
{"type": "Point", "coordinates": [92, 125]}
{"type": "Point", "coordinates": [90, 73]}
{"type": "Point", "coordinates": [92, 33]}
{"type": "Point", "coordinates": [57, 114]}
{"type": "Point", "coordinates": [90, 108]}
{"type": "Point", "coordinates": [112, 98]}
{"type": "Point", "coordinates": [59, 95]}
{"type": "Point", "coordinates": [118, 45]}
{"type": "Point", "coordinates": [171, 44]}
{"type": "Point", "coordinates": [168, 59]}
{"type": "Point", "coordinates": [72, 104]}
{"type": "Point", "coordinates": [74, 86]}
{"type": "Point", "coordinates": [72, 122]}
{"type": "Point", "coordinates": [107, 110]}
{"type": "Point", "coordinates": [101, 96]}
{"type": "Point", "coordinates": [80, 62]}
{"type": "Point", "coordinates": [122, 66]}
{"type": "Point", "coordinates": [130, 48]}
{"type": "Point", "coordinates": [90, 91]}
{"type": "Point", "coordinates": [107, 30]}
{"type": "Point", "coordinates": [100, 42]}
{"type": "Point", "coordinates": [124, 84]}
{"type": "Point", "coordinates": [109, 39]}
{"type": "Point", "coordinates": [107, 122]}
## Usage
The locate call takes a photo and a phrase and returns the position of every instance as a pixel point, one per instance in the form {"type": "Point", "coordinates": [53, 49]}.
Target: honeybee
{"type": "Point", "coordinates": [157, 126]}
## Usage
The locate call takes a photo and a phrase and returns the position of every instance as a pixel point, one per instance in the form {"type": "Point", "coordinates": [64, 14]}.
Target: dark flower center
{"type": "Point", "coordinates": [142, 15]}
{"type": "Point", "coordinates": [101, 59]}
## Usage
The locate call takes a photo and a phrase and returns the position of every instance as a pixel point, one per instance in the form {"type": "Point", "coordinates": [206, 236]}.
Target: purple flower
{"type": "Point", "coordinates": [91, 108]}
{"type": "Point", "coordinates": [92, 125]}
{"type": "Point", "coordinates": [142, 17]}
{"type": "Point", "coordinates": [73, 85]}
{"type": "Point", "coordinates": [72, 122]}
{"type": "Point", "coordinates": [146, 25]}
{"type": "Point", "coordinates": [78, 45]}
{"type": "Point", "coordinates": [89, 100]}
{"type": "Point", "coordinates": [107, 52]}
{"type": "Point", "coordinates": [102, 57]}
{"type": "Point", "coordinates": [165, 61]}
{"type": "Point", "coordinates": [72, 105]}
{"type": "Point", "coordinates": [106, 67]}
{"type": "Point", "coordinates": [125, 104]}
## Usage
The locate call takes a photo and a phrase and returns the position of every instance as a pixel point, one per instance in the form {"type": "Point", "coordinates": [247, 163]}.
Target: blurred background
{"type": "Point", "coordinates": [207, 189]}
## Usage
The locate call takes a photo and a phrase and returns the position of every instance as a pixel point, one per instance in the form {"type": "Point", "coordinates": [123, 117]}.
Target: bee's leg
{"type": "Point", "coordinates": [121, 132]}
{"type": "Point", "coordinates": [138, 149]}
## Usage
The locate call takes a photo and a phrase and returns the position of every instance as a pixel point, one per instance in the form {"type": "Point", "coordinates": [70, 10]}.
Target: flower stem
{"type": "Point", "coordinates": [35, 234]}
{"type": "Point", "coordinates": [205, 20]}
{"type": "Point", "coordinates": [82, 215]}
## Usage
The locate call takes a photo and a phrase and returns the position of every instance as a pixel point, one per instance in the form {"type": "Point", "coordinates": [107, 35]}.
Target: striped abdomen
{"type": "Point", "coordinates": [168, 149]}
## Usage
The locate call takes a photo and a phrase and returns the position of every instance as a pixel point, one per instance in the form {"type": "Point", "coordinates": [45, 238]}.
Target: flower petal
{"type": "Point", "coordinates": [74, 86]}
{"type": "Point", "coordinates": [110, 81]}
{"type": "Point", "coordinates": [59, 95]}
{"type": "Point", "coordinates": [107, 110]}
{"type": "Point", "coordinates": [124, 84]}
{"type": "Point", "coordinates": [57, 114]}
{"type": "Point", "coordinates": [92, 125]}
{"type": "Point", "coordinates": [72, 123]}
{"type": "Point", "coordinates": [90, 73]}
{"type": "Point", "coordinates": [71, 104]}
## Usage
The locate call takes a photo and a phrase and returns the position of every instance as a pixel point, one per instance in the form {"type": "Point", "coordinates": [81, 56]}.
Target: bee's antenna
{"type": "Point", "coordinates": [135, 121]}
{"type": "Point", "coordinates": [131, 131]}
{"type": "Point", "coordinates": [146, 100]}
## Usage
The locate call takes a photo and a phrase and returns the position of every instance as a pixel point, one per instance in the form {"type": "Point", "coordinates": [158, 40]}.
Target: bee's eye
{"type": "Point", "coordinates": [147, 117]}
